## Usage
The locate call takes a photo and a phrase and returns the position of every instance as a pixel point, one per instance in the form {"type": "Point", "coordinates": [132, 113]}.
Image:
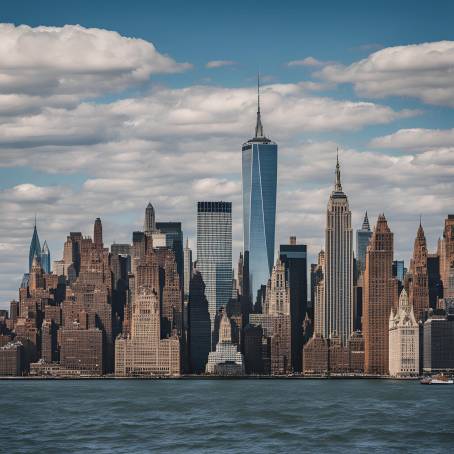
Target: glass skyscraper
{"type": "Point", "coordinates": [259, 173]}
{"type": "Point", "coordinates": [214, 253]}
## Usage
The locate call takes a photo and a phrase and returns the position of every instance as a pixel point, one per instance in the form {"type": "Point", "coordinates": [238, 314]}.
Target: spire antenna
{"type": "Point", "coordinates": [338, 185]}
{"type": "Point", "coordinates": [258, 126]}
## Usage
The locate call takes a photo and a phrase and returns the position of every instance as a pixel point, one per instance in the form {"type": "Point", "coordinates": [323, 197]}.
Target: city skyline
{"type": "Point", "coordinates": [172, 134]}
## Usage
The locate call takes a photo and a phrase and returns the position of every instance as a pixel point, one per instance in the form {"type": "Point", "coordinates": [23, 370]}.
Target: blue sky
{"type": "Point", "coordinates": [108, 141]}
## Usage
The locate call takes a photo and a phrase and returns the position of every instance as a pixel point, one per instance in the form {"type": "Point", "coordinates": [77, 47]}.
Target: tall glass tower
{"type": "Point", "coordinates": [259, 172]}
{"type": "Point", "coordinates": [214, 253]}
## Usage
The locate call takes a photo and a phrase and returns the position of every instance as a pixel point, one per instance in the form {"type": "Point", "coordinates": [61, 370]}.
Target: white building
{"type": "Point", "coordinates": [226, 360]}
{"type": "Point", "coordinates": [403, 340]}
{"type": "Point", "coordinates": [338, 298]}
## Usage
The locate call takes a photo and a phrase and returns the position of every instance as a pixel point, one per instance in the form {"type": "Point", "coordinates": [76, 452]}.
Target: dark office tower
{"type": "Point", "coordinates": [188, 265]}
{"type": "Point", "coordinates": [294, 258]}
{"type": "Point", "coordinates": [35, 248]}
{"type": "Point", "coordinates": [435, 287]}
{"type": "Point", "coordinates": [378, 298]}
{"type": "Point", "coordinates": [45, 258]}
{"type": "Point", "coordinates": [199, 335]}
{"type": "Point", "coordinates": [214, 253]}
{"type": "Point", "coordinates": [419, 276]}
{"type": "Point", "coordinates": [174, 241]}
{"type": "Point", "coordinates": [399, 270]}
{"type": "Point", "coordinates": [446, 253]}
{"type": "Point", "coordinates": [97, 234]}
{"type": "Point", "coordinates": [149, 224]}
{"type": "Point", "coordinates": [362, 240]}
{"type": "Point", "coordinates": [259, 174]}
{"type": "Point", "coordinates": [240, 270]}
{"type": "Point", "coordinates": [138, 250]}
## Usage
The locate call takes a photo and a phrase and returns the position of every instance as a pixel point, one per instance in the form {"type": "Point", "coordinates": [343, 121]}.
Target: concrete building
{"type": "Point", "coordinates": [403, 339]}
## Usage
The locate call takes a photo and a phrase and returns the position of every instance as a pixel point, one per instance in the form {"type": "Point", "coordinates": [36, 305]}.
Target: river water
{"type": "Point", "coordinates": [250, 416]}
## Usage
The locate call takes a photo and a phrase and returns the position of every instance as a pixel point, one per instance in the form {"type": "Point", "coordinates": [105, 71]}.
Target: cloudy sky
{"type": "Point", "coordinates": [105, 106]}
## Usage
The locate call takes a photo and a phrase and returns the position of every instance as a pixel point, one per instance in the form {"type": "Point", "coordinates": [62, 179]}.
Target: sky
{"type": "Point", "coordinates": [105, 106]}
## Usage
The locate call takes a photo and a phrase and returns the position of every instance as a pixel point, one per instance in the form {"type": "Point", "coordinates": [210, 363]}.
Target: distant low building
{"type": "Point", "coordinates": [226, 359]}
{"type": "Point", "coordinates": [438, 343]}
{"type": "Point", "coordinates": [11, 359]}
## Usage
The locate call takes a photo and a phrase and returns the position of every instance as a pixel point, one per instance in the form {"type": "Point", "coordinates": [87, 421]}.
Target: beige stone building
{"type": "Point", "coordinates": [143, 352]}
{"type": "Point", "coordinates": [403, 340]}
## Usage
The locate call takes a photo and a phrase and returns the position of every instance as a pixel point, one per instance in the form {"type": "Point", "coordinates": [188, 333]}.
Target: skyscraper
{"type": "Point", "coordinates": [35, 248]}
{"type": "Point", "coordinates": [259, 173]}
{"type": "Point", "coordinates": [214, 253]}
{"type": "Point", "coordinates": [187, 252]}
{"type": "Point", "coordinates": [362, 240]}
{"type": "Point", "coordinates": [419, 276]}
{"type": "Point", "coordinates": [446, 252]}
{"type": "Point", "coordinates": [149, 224]}
{"type": "Point", "coordinates": [403, 339]}
{"type": "Point", "coordinates": [174, 241]}
{"type": "Point", "coordinates": [294, 258]}
{"type": "Point", "coordinates": [97, 234]}
{"type": "Point", "coordinates": [45, 258]}
{"type": "Point", "coordinates": [378, 298]}
{"type": "Point", "coordinates": [338, 265]}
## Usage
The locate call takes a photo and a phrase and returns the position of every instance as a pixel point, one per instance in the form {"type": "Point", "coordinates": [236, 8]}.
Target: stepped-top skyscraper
{"type": "Point", "coordinates": [362, 240]}
{"type": "Point", "coordinates": [35, 248]}
{"type": "Point", "coordinates": [259, 170]}
{"type": "Point", "coordinates": [149, 224]}
{"type": "Point", "coordinates": [338, 299]}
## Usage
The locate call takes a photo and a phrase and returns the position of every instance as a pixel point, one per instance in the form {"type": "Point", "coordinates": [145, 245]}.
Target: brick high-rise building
{"type": "Point", "coordinates": [419, 276]}
{"type": "Point", "coordinates": [446, 253]}
{"type": "Point", "coordinates": [97, 234]}
{"type": "Point", "coordinates": [378, 298]}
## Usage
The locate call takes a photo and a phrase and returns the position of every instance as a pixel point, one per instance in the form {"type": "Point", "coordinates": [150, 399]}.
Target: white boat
{"type": "Point", "coordinates": [440, 379]}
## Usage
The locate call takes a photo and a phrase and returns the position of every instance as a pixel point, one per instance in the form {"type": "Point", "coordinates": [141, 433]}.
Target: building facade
{"type": "Point", "coordinates": [214, 253]}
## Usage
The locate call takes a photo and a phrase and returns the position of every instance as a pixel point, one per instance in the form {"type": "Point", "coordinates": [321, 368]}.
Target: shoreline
{"type": "Point", "coordinates": [213, 377]}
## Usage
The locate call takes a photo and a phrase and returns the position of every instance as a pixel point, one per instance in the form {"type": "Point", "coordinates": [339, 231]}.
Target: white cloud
{"type": "Point", "coordinates": [423, 71]}
{"type": "Point", "coordinates": [75, 61]}
{"type": "Point", "coordinates": [308, 61]}
{"type": "Point", "coordinates": [415, 139]}
{"type": "Point", "coordinates": [219, 63]}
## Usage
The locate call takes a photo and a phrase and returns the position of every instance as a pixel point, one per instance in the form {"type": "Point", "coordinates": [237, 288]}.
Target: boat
{"type": "Point", "coordinates": [439, 379]}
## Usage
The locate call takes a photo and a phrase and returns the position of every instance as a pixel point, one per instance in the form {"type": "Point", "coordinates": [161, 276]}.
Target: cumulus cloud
{"type": "Point", "coordinates": [308, 61]}
{"type": "Point", "coordinates": [423, 71]}
{"type": "Point", "coordinates": [219, 63]}
{"type": "Point", "coordinates": [75, 61]}
{"type": "Point", "coordinates": [415, 139]}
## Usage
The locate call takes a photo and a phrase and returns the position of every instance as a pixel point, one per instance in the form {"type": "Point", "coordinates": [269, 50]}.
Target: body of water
{"type": "Point", "coordinates": [253, 416]}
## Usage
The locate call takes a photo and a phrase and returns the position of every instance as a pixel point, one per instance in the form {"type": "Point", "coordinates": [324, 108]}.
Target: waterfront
{"type": "Point", "coordinates": [225, 416]}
